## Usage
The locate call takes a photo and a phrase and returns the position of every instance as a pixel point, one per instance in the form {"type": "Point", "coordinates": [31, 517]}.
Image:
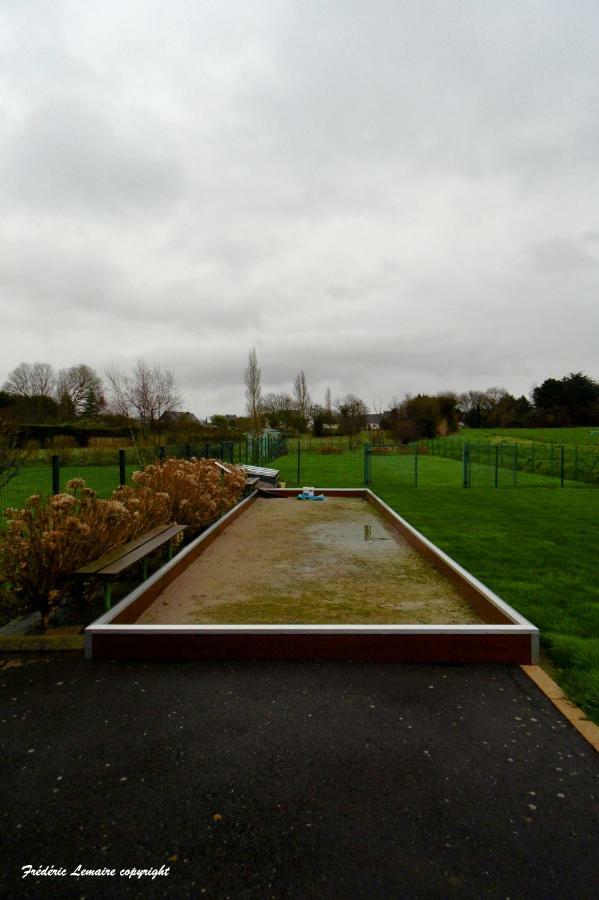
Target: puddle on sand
{"type": "Point", "coordinates": [366, 541]}
{"type": "Point", "coordinates": [320, 563]}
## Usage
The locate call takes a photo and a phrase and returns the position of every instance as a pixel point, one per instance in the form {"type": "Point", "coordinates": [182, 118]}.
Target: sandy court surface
{"type": "Point", "coordinates": [291, 561]}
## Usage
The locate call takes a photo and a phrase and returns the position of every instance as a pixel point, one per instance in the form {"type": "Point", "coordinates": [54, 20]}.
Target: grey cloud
{"type": "Point", "coordinates": [67, 156]}
{"type": "Point", "coordinates": [416, 82]}
{"type": "Point", "coordinates": [566, 253]}
{"type": "Point", "coordinates": [395, 197]}
{"type": "Point", "coordinates": [35, 272]}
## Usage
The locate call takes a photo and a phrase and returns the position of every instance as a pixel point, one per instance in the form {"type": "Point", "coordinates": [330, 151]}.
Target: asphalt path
{"type": "Point", "coordinates": [289, 780]}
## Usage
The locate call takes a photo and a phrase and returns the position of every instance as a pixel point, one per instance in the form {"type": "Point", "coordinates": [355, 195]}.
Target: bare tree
{"type": "Point", "coordinates": [253, 391]}
{"type": "Point", "coordinates": [352, 412]}
{"type": "Point", "coordinates": [303, 402]}
{"type": "Point", "coordinates": [80, 385]}
{"type": "Point", "coordinates": [477, 406]}
{"type": "Point", "coordinates": [328, 403]}
{"type": "Point", "coordinates": [147, 393]}
{"type": "Point", "coordinates": [31, 380]}
{"type": "Point", "coordinates": [11, 455]}
{"type": "Point", "coordinates": [378, 435]}
{"type": "Point", "coordinates": [117, 382]}
{"type": "Point", "coordinates": [277, 408]}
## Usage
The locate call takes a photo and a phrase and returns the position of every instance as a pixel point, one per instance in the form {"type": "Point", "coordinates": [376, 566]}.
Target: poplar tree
{"type": "Point", "coordinates": [253, 392]}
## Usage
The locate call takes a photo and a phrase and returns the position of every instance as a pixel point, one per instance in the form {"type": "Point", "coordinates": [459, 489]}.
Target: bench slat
{"type": "Point", "coordinates": [129, 559]}
{"type": "Point", "coordinates": [93, 567]}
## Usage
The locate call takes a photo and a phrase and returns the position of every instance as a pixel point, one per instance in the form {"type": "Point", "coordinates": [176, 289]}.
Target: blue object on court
{"type": "Point", "coordinates": [303, 496]}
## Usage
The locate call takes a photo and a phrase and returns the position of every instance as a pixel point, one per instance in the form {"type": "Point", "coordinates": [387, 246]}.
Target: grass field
{"type": "Point", "coordinates": [568, 437]}
{"type": "Point", "coordinates": [38, 480]}
{"type": "Point", "coordinates": [347, 469]}
{"type": "Point", "coordinates": [535, 548]}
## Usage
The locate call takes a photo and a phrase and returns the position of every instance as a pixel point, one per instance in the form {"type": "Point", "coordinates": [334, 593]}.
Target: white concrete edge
{"type": "Point", "coordinates": [97, 628]}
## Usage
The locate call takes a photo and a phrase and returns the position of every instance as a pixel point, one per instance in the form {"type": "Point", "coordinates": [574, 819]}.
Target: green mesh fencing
{"type": "Point", "coordinates": [301, 466]}
{"type": "Point", "coordinates": [104, 470]}
{"type": "Point", "coordinates": [440, 463]}
{"type": "Point", "coordinates": [443, 462]}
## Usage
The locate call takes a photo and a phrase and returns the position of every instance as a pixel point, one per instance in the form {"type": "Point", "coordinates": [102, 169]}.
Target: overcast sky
{"type": "Point", "coordinates": [394, 196]}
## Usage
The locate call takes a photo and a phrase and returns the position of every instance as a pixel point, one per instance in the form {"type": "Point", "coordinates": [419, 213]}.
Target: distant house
{"type": "Point", "coordinates": [373, 420]}
{"type": "Point", "coordinates": [178, 418]}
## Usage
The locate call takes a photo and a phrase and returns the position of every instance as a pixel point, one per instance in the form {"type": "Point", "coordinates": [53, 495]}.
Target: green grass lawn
{"type": "Point", "coordinates": [347, 470]}
{"type": "Point", "coordinates": [536, 548]}
{"type": "Point", "coordinates": [37, 479]}
{"type": "Point", "coordinates": [567, 437]}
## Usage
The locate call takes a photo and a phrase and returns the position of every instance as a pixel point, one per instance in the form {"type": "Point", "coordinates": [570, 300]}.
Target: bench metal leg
{"type": "Point", "coordinates": [107, 595]}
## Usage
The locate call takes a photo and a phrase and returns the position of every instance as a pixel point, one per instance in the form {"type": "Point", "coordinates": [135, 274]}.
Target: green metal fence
{"type": "Point", "coordinates": [431, 464]}
{"type": "Point", "coordinates": [438, 463]}
{"type": "Point", "coordinates": [105, 470]}
{"type": "Point", "coordinates": [324, 465]}
{"type": "Point", "coordinates": [503, 464]}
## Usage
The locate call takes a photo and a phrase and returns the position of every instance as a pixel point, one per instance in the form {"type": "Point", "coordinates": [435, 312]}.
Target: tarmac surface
{"type": "Point", "coordinates": [289, 780]}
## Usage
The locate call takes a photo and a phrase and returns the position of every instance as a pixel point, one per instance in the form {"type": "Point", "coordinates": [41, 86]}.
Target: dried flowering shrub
{"type": "Point", "coordinates": [51, 537]}
{"type": "Point", "coordinates": [199, 491]}
{"type": "Point", "coordinates": [147, 508]}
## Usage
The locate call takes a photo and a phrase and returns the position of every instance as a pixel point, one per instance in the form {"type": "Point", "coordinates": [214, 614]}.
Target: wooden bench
{"type": "Point", "coordinates": [113, 564]}
{"type": "Point", "coordinates": [261, 473]}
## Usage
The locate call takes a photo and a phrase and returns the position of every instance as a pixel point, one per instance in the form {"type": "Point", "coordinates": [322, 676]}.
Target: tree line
{"type": "Point", "coordinates": [571, 400]}
{"type": "Point", "coordinates": [557, 402]}
{"type": "Point", "coordinates": [297, 412]}
{"type": "Point", "coordinates": [37, 393]}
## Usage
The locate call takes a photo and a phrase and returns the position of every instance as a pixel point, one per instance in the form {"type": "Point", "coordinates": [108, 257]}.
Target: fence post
{"type": "Point", "coordinates": [515, 461]}
{"type": "Point", "coordinates": [55, 474]}
{"type": "Point", "coordinates": [561, 467]}
{"type": "Point", "coordinates": [299, 454]}
{"type": "Point", "coordinates": [366, 464]}
{"type": "Point", "coordinates": [576, 463]}
{"type": "Point", "coordinates": [466, 465]}
{"type": "Point", "coordinates": [161, 453]}
{"type": "Point", "coordinates": [122, 470]}
{"type": "Point", "coordinates": [496, 465]}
